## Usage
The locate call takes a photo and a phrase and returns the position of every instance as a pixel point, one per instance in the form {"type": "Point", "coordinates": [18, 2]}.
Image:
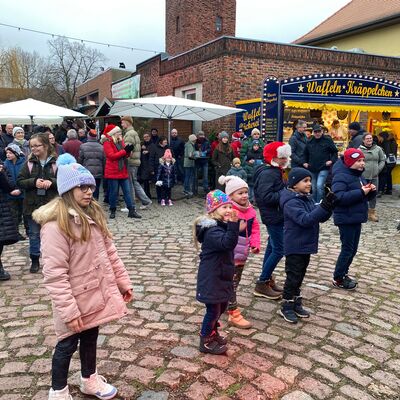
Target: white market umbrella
{"type": "Point", "coordinates": [27, 120]}
{"type": "Point", "coordinates": [34, 110]}
{"type": "Point", "coordinates": [171, 107]}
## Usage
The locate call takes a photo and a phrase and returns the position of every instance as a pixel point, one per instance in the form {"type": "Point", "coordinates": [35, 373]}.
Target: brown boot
{"type": "Point", "coordinates": [372, 215]}
{"type": "Point", "coordinates": [264, 289]}
{"type": "Point", "coordinates": [235, 318]}
{"type": "Point", "coordinates": [274, 286]}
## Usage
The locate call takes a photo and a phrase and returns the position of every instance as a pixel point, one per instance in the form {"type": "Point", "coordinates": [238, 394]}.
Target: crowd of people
{"type": "Point", "coordinates": [51, 183]}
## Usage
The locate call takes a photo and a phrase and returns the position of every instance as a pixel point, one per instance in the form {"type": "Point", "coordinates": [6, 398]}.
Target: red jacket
{"type": "Point", "coordinates": [236, 145]}
{"type": "Point", "coordinates": [72, 146]}
{"type": "Point", "coordinates": [113, 155]}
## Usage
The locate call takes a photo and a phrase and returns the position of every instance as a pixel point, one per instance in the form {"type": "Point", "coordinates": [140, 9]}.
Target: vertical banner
{"type": "Point", "coordinates": [271, 110]}
{"type": "Point", "coordinates": [250, 118]}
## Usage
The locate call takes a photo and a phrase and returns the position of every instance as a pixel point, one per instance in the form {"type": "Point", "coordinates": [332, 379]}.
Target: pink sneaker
{"type": "Point", "coordinates": [170, 203]}
{"type": "Point", "coordinates": [163, 202]}
{"type": "Point", "coordinates": [97, 386]}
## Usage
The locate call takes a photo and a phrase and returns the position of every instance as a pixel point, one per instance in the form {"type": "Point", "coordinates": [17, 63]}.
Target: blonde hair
{"type": "Point", "coordinates": [212, 215]}
{"type": "Point", "coordinates": [93, 211]}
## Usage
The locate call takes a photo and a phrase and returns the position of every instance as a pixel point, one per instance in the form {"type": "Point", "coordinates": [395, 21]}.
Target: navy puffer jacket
{"type": "Point", "coordinates": [301, 222]}
{"type": "Point", "coordinates": [352, 204]}
{"type": "Point", "coordinates": [8, 226]}
{"type": "Point", "coordinates": [216, 269]}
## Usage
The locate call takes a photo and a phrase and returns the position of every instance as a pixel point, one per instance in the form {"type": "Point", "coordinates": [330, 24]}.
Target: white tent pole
{"type": "Point", "coordinates": [169, 131]}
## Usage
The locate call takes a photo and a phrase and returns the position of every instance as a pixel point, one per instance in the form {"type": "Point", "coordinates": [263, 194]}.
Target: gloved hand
{"type": "Point", "coordinates": [329, 201]}
{"type": "Point", "coordinates": [128, 148]}
{"type": "Point", "coordinates": [159, 183]}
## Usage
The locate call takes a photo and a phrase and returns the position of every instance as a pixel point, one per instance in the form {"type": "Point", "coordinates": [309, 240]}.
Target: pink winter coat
{"type": "Point", "coordinates": [84, 279]}
{"type": "Point", "coordinates": [250, 237]}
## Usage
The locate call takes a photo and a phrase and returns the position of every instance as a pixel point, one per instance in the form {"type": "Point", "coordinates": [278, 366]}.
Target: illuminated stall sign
{"type": "Point", "coordinates": [272, 120]}
{"type": "Point", "coordinates": [250, 118]}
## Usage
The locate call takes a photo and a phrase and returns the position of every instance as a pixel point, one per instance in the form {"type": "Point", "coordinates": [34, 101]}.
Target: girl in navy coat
{"type": "Point", "coordinates": [353, 194]}
{"type": "Point", "coordinates": [218, 233]}
{"type": "Point", "coordinates": [301, 231]}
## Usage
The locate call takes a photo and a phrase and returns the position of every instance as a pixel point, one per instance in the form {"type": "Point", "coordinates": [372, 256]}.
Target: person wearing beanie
{"type": "Point", "coordinates": [37, 178]}
{"type": "Point", "coordinates": [20, 141]}
{"type": "Point", "coordinates": [249, 240]}
{"type": "Point", "coordinates": [236, 144]}
{"type": "Point", "coordinates": [218, 233]}
{"type": "Point", "coordinates": [131, 137]}
{"type": "Point", "coordinates": [116, 169]}
{"type": "Point", "coordinates": [301, 232]}
{"type": "Point", "coordinates": [298, 142]}
{"type": "Point", "coordinates": [203, 150]}
{"type": "Point", "coordinates": [268, 183]}
{"type": "Point", "coordinates": [166, 177]}
{"type": "Point", "coordinates": [237, 169]}
{"type": "Point", "coordinates": [92, 157]}
{"type": "Point", "coordinates": [177, 146]}
{"type": "Point", "coordinates": [189, 166]}
{"type": "Point", "coordinates": [83, 274]}
{"type": "Point", "coordinates": [15, 160]}
{"type": "Point", "coordinates": [222, 158]}
{"type": "Point", "coordinates": [353, 193]}
{"type": "Point", "coordinates": [254, 158]}
{"type": "Point", "coordinates": [356, 135]}
{"type": "Point", "coordinates": [248, 143]}
{"type": "Point", "coordinates": [6, 138]}
{"type": "Point", "coordinates": [319, 156]}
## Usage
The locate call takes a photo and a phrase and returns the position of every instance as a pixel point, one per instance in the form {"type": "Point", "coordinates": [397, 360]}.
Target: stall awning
{"type": "Point", "coordinates": [340, 107]}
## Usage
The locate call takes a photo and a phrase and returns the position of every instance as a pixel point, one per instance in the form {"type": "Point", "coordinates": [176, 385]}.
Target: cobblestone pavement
{"type": "Point", "coordinates": [348, 349]}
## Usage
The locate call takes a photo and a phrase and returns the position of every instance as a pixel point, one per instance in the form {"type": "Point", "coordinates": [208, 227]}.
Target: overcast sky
{"type": "Point", "coordinates": [141, 23]}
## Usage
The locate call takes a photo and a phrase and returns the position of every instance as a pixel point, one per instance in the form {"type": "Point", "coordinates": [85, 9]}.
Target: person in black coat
{"type": "Point", "coordinates": [353, 194]}
{"type": "Point", "coordinates": [8, 227]}
{"type": "Point", "coordinates": [144, 172]}
{"type": "Point", "coordinates": [156, 152]}
{"type": "Point", "coordinates": [218, 233]}
{"type": "Point", "coordinates": [319, 155]}
{"type": "Point", "coordinates": [166, 177]}
{"type": "Point", "coordinates": [177, 146]}
{"type": "Point", "coordinates": [389, 146]}
{"type": "Point", "coordinates": [298, 143]}
{"type": "Point", "coordinates": [268, 183]}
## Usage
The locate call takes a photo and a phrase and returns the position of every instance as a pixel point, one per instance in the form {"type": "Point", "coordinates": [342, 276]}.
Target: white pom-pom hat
{"type": "Point", "coordinates": [232, 183]}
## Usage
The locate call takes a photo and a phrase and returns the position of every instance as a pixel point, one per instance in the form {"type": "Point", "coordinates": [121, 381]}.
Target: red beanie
{"type": "Point", "coordinates": [276, 150]}
{"type": "Point", "coordinates": [351, 156]}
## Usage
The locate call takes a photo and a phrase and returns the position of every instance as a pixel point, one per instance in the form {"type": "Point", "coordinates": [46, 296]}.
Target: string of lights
{"type": "Point", "coordinates": [54, 35]}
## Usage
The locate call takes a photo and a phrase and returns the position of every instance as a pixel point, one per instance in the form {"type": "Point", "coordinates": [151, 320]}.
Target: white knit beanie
{"type": "Point", "coordinates": [70, 174]}
{"type": "Point", "coordinates": [232, 183]}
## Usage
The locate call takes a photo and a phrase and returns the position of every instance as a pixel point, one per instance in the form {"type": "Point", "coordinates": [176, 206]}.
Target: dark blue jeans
{"type": "Point", "coordinates": [350, 237]}
{"type": "Point", "coordinates": [113, 191]}
{"type": "Point", "coordinates": [213, 312]}
{"type": "Point", "coordinates": [96, 192]}
{"type": "Point", "coordinates": [34, 236]}
{"type": "Point", "coordinates": [63, 354]}
{"type": "Point", "coordinates": [273, 252]}
{"type": "Point", "coordinates": [188, 184]}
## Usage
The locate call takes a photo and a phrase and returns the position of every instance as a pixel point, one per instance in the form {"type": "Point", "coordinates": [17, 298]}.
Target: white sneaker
{"type": "Point", "coordinates": [145, 206]}
{"type": "Point", "coordinates": [97, 386]}
{"type": "Point", "coordinates": [62, 394]}
{"type": "Point", "coordinates": [124, 209]}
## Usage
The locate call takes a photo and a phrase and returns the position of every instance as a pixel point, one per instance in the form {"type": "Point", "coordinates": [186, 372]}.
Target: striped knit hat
{"type": "Point", "coordinates": [70, 174]}
{"type": "Point", "coordinates": [215, 199]}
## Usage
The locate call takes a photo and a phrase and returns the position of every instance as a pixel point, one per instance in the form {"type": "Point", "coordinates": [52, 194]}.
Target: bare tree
{"type": "Point", "coordinates": [71, 64]}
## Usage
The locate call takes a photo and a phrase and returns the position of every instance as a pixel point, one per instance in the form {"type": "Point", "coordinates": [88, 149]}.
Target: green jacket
{"type": "Point", "coordinates": [27, 181]}
{"type": "Point", "coordinates": [132, 137]}
{"type": "Point", "coordinates": [374, 161]}
{"type": "Point", "coordinates": [188, 162]}
{"type": "Point", "coordinates": [246, 146]}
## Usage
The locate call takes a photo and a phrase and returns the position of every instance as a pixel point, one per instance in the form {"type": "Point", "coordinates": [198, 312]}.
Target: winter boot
{"type": "Point", "coordinates": [133, 214]}
{"type": "Point", "coordinates": [345, 283]}
{"type": "Point", "coordinates": [35, 264]}
{"type": "Point", "coordinates": [112, 213]}
{"type": "Point", "coordinates": [264, 289]}
{"type": "Point", "coordinates": [298, 308]}
{"type": "Point", "coordinates": [219, 338]}
{"type": "Point", "coordinates": [372, 215]}
{"type": "Point", "coordinates": [287, 311]}
{"type": "Point", "coordinates": [62, 394]}
{"type": "Point", "coordinates": [209, 344]}
{"type": "Point", "coordinates": [274, 286]}
{"type": "Point", "coordinates": [162, 202]}
{"type": "Point", "coordinates": [235, 318]}
{"type": "Point", "coordinates": [4, 275]}
{"type": "Point", "coordinates": [96, 385]}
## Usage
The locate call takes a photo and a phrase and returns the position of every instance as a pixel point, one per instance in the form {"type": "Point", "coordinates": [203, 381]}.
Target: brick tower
{"type": "Point", "coordinates": [191, 23]}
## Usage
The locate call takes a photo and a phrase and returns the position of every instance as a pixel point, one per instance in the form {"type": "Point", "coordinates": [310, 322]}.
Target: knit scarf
{"type": "Point", "coordinates": [122, 160]}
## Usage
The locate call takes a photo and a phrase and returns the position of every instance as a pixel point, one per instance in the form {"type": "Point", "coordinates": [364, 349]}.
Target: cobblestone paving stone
{"type": "Point", "coordinates": [348, 349]}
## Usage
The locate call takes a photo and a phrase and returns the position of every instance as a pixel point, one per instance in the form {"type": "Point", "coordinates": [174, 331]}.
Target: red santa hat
{"type": "Point", "coordinates": [236, 136]}
{"type": "Point", "coordinates": [111, 130]}
{"type": "Point", "coordinates": [276, 150]}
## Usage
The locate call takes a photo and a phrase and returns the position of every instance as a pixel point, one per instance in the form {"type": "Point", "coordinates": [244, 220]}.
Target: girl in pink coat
{"type": "Point", "coordinates": [87, 281]}
{"type": "Point", "coordinates": [249, 239]}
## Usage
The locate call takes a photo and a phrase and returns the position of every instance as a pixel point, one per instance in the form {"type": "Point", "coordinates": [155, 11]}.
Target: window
{"type": "Point", "coordinates": [218, 24]}
{"type": "Point", "coordinates": [189, 94]}
{"type": "Point", "coordinates": [178, 24]}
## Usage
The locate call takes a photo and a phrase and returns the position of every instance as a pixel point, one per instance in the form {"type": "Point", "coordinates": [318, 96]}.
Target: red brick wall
{"type": "Point", "coordinates": [101, 83]}
{"type": "Point", "coordinates": [197, 23]}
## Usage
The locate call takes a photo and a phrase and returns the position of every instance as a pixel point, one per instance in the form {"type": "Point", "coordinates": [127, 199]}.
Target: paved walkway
{"type": "Point", "coordinates": [348, 349]}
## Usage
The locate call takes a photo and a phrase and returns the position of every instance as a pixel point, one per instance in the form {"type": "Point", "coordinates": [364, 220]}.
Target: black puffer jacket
{"type": "Point", "coordinates": [8, 227]}
{"type": "Point", "coordinates": [91, 156]}
{"type": "Point", "coordinates": [144, 172]}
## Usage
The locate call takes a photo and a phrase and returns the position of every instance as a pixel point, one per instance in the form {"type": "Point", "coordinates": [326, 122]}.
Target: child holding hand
{"type": "Point", "coordinates": [249, 239]}
{"type": "Point", "coordinates": [218, 233]}
{"type": "Point", "coordinates": [87, 281]}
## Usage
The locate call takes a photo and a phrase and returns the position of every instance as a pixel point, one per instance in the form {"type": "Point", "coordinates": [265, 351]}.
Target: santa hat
{"type": "Point", "coordinates": [351, 156]}
{"type": "Point", "coordinates": [215, 199]}
{"type": "Point", "coordinates": [111, 130]}
{"type": "Point", "coordinates": [232, 183]}
{"type": "Point", "coordinates": [236, 136]}
{"type": "Point", "coordinates": [167, 154]}
{"type": "Point", "coordinates": [276, 150]}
